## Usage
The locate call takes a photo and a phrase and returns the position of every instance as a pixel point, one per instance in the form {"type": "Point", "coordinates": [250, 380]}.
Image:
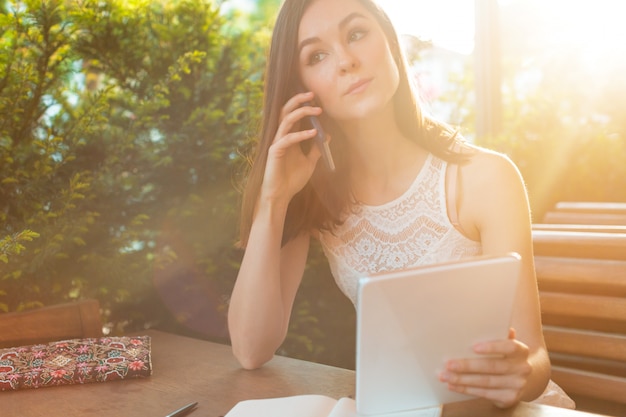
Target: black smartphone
{"type": "Point", "coordinates": [321, 143]}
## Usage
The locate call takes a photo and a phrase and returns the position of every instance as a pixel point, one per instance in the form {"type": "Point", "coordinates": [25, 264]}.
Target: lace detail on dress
{"type": "Point", "coordinates": [412, 230]}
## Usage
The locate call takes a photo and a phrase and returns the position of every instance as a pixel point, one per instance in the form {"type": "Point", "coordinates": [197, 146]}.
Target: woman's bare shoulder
{"type": "Point", "coordinates": [486, 165]}
{"type": "Point", "coordinates": [494, 187]}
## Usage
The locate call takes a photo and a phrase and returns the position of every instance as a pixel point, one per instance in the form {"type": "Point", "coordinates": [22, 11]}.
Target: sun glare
{"type": "Point", "coordinates": [447, 23]}
{"type": "Point", "coordinates": [594, 27]}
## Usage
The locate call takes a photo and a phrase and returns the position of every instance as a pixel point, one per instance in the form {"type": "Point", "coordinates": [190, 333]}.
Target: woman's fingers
{"type": "Point", "coordinates": [295, 110]}
{"type": "Point", "coordinates": [505, 347]}
{"type": "Point", "coordinates": [499, 376]}
{"type": "Point", "coordinates": [294, 102]}
{"type": "Point", "coordinates": [502, 389]}
{"type": "Point", "coordinates": [291, 119]}
{"type": "Point", "coordinates": [289, 139]}
{"type": "Point", "coordinates": [286, 149]}
{"type": "Point", "coordinates": [501, 398]}
{"type": "Point", "coordinates": [514, 379]}
{"type": "Point", "coordinates": [501, 357]}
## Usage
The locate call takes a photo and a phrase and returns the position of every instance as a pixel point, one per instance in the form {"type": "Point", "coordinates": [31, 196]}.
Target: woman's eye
{"type": "Point", "coordinates": [356, 35]}
{"type": "Point", "coordinates": [316, 57]}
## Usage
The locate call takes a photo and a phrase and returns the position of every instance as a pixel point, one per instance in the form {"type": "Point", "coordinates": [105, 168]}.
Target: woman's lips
{"type": "Point", "coordinates": [358, 86]}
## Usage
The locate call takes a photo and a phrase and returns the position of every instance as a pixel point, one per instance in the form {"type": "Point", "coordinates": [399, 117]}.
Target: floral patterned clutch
{"type": "Point", "coordinates": [76, 361]}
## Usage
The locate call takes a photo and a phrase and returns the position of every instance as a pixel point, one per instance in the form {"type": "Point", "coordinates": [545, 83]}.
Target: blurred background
{"type": "Point", "coordinates": [125, 126]}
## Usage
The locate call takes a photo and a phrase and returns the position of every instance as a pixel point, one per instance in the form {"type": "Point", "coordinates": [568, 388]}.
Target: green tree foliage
{"type": "Point", "coordinates": [120, 125]}
{"type": "Point", "coordinates": [266, 10]}
{"type": "Point", "coordinates": [123, 128]}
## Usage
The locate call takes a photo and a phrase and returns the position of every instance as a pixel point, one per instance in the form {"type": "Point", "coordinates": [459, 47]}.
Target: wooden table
{"type": "Point", "coordinates": [187, 370]}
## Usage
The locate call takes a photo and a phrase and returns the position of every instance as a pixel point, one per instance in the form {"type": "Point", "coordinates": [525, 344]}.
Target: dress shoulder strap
{"type": "Point", "coordinates": [452, 180]}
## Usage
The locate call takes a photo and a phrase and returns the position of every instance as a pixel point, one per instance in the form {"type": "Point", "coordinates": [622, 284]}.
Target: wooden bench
{"type": "Point", "coordinates": [78, 319]}
{"type": "Point", "coordinates": [592, 213]}
{"type": "Point", "coordinates": [582, 288]}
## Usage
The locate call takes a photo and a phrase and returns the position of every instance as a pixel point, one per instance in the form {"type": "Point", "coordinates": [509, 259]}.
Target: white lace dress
{"type": "Point", "coordinates": [412, 230]}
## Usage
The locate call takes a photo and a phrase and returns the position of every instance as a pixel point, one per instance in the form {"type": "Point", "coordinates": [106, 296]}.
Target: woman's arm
{"type": "Point", "coordinates": [269, 276]}
{"type": "Point", "coordinates": [263, 296]}
{"type": "Point", "coordinates": [494, 207]}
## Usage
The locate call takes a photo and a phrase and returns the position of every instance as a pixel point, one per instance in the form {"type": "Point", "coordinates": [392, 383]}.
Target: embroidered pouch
{"type": "Point", "coordinates": [76, 361]}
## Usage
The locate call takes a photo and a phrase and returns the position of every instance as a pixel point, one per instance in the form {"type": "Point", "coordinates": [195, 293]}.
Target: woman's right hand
{"type": "Point", "coordinates": [288, 168]}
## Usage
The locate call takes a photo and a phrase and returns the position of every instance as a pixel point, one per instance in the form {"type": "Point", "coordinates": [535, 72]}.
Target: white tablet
{"type": "Point", "coordinates": [410, 322]}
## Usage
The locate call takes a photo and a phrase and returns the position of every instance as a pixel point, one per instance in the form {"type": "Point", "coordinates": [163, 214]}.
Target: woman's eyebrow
{"type": "Point", "coordinates": [342, 24]}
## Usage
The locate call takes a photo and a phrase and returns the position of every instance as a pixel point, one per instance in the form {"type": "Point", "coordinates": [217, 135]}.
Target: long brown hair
{"type": "Point", "coordinates": [320, 204]}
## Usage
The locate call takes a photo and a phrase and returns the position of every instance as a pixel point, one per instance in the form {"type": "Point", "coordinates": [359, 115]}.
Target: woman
{"type": "Point", "coordinates": [406, 191]}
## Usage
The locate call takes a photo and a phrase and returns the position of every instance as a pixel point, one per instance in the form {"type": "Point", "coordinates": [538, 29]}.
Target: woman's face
{"type": "Point", "coordinates": [345, 59]}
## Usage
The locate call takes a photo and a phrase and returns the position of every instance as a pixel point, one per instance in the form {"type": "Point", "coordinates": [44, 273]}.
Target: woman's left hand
{"type": "Point", "coordinates": [500, 376]}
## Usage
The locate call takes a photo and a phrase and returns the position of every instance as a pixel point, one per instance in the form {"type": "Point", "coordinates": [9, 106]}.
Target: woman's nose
{"type": "Point", "coordinates": [348, 61]}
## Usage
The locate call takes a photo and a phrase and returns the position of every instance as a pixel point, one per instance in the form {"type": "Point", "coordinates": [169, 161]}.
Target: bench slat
{"type": "Point", "coordinates": [564, 217]}
{"type": "Point", "coordinates": [579, 244]}
{"type": "Point", "coordinates": [586, 276]}
{"type": "Point", "coordinates": [587, 343]}
{"type": "Point", "coordinates": [604, 387]}
{"type": "Point", "coordinates": [584, 306]}
{"type": "Point", "coordinates": [590, 228]}
{"type": "Point", "coordinates": [586, 363]}
{"type": "Point", "coordinates": [591, 207]}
